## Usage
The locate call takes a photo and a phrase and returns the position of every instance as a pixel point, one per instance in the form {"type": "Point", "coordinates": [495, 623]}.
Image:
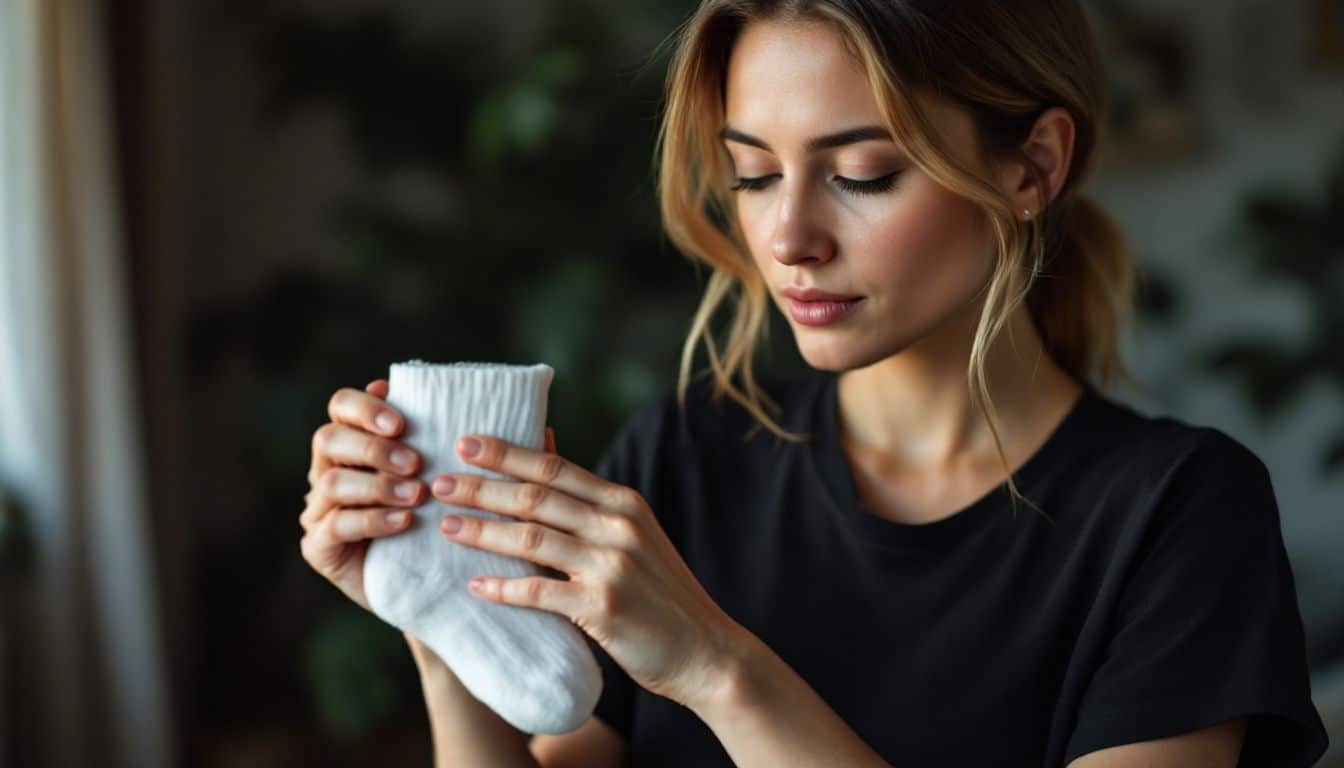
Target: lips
{"type": "Point", "coordinates": [822, 312]}
{"type": "Point", "coordinates": [815, 294]}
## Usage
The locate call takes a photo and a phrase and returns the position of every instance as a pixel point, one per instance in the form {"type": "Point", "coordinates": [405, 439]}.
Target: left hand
{"type": "Point", "coordinates": [628, 587]}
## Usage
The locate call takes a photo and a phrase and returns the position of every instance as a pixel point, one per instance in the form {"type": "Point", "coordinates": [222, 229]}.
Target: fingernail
{"type": "Point", "coordinates": [386, 421]}
{"type": "Point", "coordinates": [395, 519]}
{"type": "Point", "coordinates": [451, 523]}
{"type": "Point", "coordinates": [444, 485]}
{"type": "Point", "coordinates": [402, 458]}
{"type": "Point", "coordinates": [405, 490]}
{"type": "Point", "coordinates": [470, 446]}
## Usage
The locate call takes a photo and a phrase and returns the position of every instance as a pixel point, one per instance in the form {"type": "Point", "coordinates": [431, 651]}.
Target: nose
{"type": "Point", "coordinates": [798, 236]}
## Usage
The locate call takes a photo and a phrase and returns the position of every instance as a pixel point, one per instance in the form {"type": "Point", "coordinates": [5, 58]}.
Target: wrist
{"type": "Point", "coordinates": [735, 674]}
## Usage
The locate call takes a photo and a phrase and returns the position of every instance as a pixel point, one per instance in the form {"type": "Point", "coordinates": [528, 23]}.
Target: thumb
{"type": "Point", "coordinates": [550, 440]}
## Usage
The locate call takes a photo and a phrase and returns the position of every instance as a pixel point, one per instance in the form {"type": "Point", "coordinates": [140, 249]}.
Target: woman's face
{"type": "Point", "coordinates": [914, 252]}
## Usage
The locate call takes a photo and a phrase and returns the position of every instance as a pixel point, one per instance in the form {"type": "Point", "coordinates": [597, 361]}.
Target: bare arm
{"type": "Point", "coordinates": [465, 731]}
{"type": "Point", "coordinates": [769, 716]}
{"type": "Point", "coordinates": [1218, 746]}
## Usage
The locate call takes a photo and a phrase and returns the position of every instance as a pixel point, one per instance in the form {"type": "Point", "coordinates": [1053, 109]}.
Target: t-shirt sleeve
{"type": "Point", "coordinates": [1207, 627]}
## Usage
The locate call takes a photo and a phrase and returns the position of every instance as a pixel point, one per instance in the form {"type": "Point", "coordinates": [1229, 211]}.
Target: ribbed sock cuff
{"type": "Point", "coordinates": [504, 401]}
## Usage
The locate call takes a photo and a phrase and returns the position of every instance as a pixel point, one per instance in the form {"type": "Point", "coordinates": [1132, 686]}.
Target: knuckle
{"type": "Point", "coordinates": [532, 496]}
{"type": "Point", "coordinates": [551, 467]}
{"type": "Point", "coordinates": [329, 482]}
{"type": "Point", "coordinates": [623, 527]}
{"type": "Point", "coordinates": [373, 521]}
{"type": "Point", "coordinates": [387, 488]}
{"type": "Point", "coordinates": [322, 438]}
{"type": "Point", "coordinates": [533, 590]}
{"type": "Point", "coordinates": [372, 451]}
{"type": "Point", "coordinates": [306, 547]}
{"type": "Point", "coordinates": [331, 525]}
{"type": "Point", "coordinates": [468, 487]}
{"type": "Point", "coordinates": [471, 528]}
{"type": "Point", "coordinates": [625, 498]}
{"type": "Point", "coordinates": [334, 404]}
{"type": "Point", "coordinates": [533, 536]}
{"type": "Point", "coordinates": [494, 452]}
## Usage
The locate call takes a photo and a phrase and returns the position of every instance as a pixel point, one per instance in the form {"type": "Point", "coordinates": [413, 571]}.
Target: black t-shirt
{"type": "Point", "coordinates": [1160, 601]}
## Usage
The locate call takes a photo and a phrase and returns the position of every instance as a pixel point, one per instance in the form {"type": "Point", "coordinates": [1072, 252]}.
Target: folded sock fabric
{"type": "Point", "coordinates": [532, 667]}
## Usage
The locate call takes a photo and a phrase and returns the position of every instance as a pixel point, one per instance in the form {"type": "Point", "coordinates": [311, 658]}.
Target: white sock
{"type": "Point", "coordinates": [532, 667]}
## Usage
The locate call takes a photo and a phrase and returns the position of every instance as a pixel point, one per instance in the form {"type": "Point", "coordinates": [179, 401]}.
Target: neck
{"type": "Point", "coordinates": [915, 409]}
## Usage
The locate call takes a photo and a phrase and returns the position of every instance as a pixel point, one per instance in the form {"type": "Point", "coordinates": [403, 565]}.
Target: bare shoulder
{"type": "Point", "coordinates": [593, 744]}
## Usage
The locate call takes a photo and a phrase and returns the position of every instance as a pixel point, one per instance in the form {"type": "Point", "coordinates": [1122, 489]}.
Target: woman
{"type": "Point", "coordinates": [899, 177]}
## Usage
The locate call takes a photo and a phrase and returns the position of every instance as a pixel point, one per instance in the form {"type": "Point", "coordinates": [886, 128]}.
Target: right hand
{"type": "Point", "coordinates": [352, 481]}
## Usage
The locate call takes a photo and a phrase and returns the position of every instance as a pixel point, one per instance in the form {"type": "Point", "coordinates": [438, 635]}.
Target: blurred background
{"type": "Point", "coordinates": [215, 214]}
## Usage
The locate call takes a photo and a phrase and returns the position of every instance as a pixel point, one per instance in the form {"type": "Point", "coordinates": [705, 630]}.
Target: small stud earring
{"type": "Point", "coordinates": [1026, 212]}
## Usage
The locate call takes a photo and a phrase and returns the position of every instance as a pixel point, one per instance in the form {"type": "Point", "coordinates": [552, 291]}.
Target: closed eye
{"type": "Point", "coordinates": [853, 186]}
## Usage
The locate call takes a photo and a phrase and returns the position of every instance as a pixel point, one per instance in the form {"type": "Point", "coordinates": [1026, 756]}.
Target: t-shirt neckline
{"type": "Point", "coordinates": [832, 468]}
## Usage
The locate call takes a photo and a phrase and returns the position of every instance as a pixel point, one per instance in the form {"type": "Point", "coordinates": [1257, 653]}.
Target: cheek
{"type": "Point", "coordinates": [926, 243]}
{"type": "Point", "coordinates": [754, 219]}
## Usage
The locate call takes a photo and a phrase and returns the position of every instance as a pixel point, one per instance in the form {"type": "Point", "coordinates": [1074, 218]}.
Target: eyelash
{"type": "Point", "coordinates": [869, 187]}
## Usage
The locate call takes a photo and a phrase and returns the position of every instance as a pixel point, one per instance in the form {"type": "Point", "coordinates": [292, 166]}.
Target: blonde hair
{"type": "Point", "coordinates": [1005, 65]}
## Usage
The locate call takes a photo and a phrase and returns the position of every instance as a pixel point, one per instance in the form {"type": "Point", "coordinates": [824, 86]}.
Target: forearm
{"type": "Point", "coordinates": [465, 731]}
{"type": "Point", "coordinates": [769, 716]}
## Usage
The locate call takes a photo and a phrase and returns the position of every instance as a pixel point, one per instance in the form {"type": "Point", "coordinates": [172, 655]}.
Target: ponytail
{"type": "Point", "coordinates": [1084, 295]}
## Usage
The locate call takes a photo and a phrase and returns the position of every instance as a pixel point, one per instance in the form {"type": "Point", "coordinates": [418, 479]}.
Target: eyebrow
{"type": "Point", "coordinates": [830, 141]}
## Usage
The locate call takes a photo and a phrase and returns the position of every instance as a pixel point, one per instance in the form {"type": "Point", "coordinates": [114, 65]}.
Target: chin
{"type": "Point", "coordinates": [833, 354]}
{"type": "Point", "coordinates": [828, 355]}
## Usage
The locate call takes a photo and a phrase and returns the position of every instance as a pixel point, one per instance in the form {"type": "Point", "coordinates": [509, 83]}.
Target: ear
{"type": "Point", "coordinates": [1050, 147]}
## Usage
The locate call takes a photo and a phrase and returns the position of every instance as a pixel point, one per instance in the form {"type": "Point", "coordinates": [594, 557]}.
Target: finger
{"type": "Point", "coordinates": [528, 541]}
{"type": "Point", "coordinates": [319, 462]}
{"type": "Point", "coordinates": [563, 597]}
{"type": "Point", "coordinates": [327, 547]}
{"type": "Point", "coordinates": [352, 447]}
{"type": "Point", "coordinates": [526, 501]}
{"type": "Point", "coordinates": [539, 467]}
{"type": "Point", "coordinates": [351, 525]}
{"type": "Point", "coordinates": [377, 388]}
{"type": "Point", "coordinates": [347, 487]}
{"type": "Point", "coordinates": [361, 409]}
{"type": "Point", "coordinates": [316, 507]}
{"type": "Point", "coordinates": [550, 440]}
